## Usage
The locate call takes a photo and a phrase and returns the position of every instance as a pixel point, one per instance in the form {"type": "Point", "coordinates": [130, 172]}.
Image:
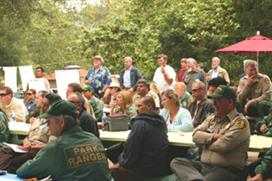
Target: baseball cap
{"type": "Point", "coordinates": [59, 108]}
{"type": "Point", "coordinates": [88, 88]}
{"type": "Point", "coordinates": [223, 91]}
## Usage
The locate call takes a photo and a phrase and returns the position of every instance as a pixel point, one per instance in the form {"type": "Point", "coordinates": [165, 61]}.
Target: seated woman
{"type": "Point", "coordinates": [124, 105]}
{"type": "Point", "coordinates": [4, 130]}
{"type": "Point", "coordinates": [176, 117]}
{"type": "Point", "coordinates": [37, 138]}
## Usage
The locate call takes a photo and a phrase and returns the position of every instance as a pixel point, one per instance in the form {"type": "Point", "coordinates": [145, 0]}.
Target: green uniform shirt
{"type": "Point", "coordinates": [266, 165]}
{"type": "Point", "coordinates": [4, 130]}
{"type": "Point", "coordinates": [75, 155]}
{"type": "Point", "coordinates": [97, 107]}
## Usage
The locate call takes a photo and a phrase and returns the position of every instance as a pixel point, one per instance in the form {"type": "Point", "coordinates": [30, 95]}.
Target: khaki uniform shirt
{"type": "Point", "coordinates": [231, 149]}
{"type": "Point", "coordinates": [39, 134]}
{"type": "Point", "coordinates": [260, 90]}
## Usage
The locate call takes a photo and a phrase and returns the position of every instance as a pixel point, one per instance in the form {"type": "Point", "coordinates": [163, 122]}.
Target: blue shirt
{"type": "Point", "coordinates": [99, 78]}
{"type": "Point", "coordinates": [181, 122]}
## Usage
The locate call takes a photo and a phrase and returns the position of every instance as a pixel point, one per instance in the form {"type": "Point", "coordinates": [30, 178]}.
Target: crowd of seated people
{"type": "Point", "coordinates": [194, 101]}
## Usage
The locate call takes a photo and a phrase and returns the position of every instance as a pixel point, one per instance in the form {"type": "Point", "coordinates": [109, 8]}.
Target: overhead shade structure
{"type": "Point", "coordinates": [255, 44]}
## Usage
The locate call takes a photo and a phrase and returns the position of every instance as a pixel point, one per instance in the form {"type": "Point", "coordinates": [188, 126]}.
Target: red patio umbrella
{"type": "Point", "coordinates": [255, 44]}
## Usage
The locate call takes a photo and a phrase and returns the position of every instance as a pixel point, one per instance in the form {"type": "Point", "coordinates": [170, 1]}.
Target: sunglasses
{"type": "Point", "coordinates": [4, 94]}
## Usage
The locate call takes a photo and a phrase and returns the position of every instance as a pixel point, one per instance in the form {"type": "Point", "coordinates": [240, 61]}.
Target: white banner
{"type": "Point", "coordinates": [11, 77]}
{"type": "Point", "coordinates": [26, 73]}
{"type": "Point", "coordinates": [65, 77]}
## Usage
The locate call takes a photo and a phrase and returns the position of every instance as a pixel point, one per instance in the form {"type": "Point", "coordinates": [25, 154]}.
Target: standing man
{"type": "Point", "coordinates": [164, 75]}
{"type": "Point", "coordinates": [74, 155]}
{"type": "Point", "coordinates": [98, 76]}
{"type": "Point", "coordinates": [224, 139]}
{"type": "Point", "coordinates": [40, 82]}
{"type": "Point", "coordinates": [192, 74]}
{"type": "Point", "coordinates": [218, 71]}
{"type": "Point", "coordinates": [201, 107]}
{"type": "Point", "coordinates": [130, 75]}
{"type": "Point", "coordinates": [254, 90]}
{"type": "Point", "coordinates": [13, 107]}
{"type": "Point", "coordinates": [145, 151]}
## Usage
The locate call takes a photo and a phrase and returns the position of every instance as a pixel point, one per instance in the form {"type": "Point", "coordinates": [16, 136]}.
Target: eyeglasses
{"type": "Point", "coordinates": [29, 93]}
{"type": "Point", "coordinates": [4, 94]}
{"type": "Point", "coordinates": [195, 90]}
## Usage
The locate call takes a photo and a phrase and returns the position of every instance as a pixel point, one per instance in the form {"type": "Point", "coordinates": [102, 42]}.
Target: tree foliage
{"type": "Point", "coordinates": [53, 33]}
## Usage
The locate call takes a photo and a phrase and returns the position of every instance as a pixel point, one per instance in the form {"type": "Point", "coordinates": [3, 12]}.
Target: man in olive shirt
{"type": "Point", "coordinates": [74, 155]}
{"type": "Point", "coordinates": [224, 139]}
{"type": "Point", "coordinates": [254, 91]}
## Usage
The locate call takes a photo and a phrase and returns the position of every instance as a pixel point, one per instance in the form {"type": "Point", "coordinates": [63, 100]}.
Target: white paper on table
{"type": "Point", "coordinates": [65, 77]}
{"type": "Point", "coordinates": [15, 148]}
{"type": "Point", "coordinates": [26, 73]}
{"type": "Point", "coordinates": [11, 77]}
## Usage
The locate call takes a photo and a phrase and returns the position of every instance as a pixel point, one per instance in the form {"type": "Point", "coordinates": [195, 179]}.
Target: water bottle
{"type": "Point", "coordinates": [13, 117]}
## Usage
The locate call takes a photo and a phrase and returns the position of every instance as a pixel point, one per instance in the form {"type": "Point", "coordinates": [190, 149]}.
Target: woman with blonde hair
{"type": "Point", "coordinates": [124, 104]}
{"type": "Point", "coordinates": [176, 117]}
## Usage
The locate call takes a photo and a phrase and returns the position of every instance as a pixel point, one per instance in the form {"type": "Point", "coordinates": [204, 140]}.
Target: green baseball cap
{"type": "Point", "coordinates": [59, 108]}
{"type": "Point", "coordinates": [88, 88]}
{"type": "Point", "coordinates": [223, 91]}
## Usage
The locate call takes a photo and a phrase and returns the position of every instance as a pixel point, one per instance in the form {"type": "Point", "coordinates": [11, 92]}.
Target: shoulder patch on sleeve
{"type": "Point", "coordinates": [240, 123]}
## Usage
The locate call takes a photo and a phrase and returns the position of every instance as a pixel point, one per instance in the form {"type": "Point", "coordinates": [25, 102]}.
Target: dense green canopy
{"type": "Point", "coordinates": [53, 34]}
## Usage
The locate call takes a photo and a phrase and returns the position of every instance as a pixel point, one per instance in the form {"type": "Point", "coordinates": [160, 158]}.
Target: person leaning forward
{"type": "Point", "coordinates": [224, 139]}
{"type": "Point", "coordinates": [74, 155]}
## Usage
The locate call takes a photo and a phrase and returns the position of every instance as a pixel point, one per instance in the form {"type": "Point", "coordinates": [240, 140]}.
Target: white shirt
{"type": "Point", "coordinates": [159, 78]}
{"type": "Point", "coordinates": [126, 78]}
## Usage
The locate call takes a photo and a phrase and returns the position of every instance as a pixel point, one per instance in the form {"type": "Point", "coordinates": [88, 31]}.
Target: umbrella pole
{"type": "Point", "coordinates": [258, 58]}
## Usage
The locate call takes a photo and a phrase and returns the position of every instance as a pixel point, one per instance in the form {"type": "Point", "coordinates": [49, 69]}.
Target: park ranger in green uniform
{"type": "Point", "coordinates": [74, 155]}
{"type": "Point", "coordinates": [4, 130]}
{"type": "Point", "coordinates": [263, 170]}
{"type": "Point", "coordinates": [224, 139]}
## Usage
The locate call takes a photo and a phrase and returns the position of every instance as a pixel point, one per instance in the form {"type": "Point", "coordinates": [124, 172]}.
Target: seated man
{"type": "Point", "coordinates": [263, 170]}
{"type": "Point", "coordinates": [74, 155]}
{"type": "Point", "coordinates": [86, 121]}
{"type": "Point", "coordinates": [224, 139]}
{"type": "Point", "coordinates": [145, 151]}
{"type": "Point", "coordinates": [11, 105]}
{"type": "Point", "coordinates": [254, 91]}
{"type": "Point", "coordinates": [94, 102]}
{"type": "Point", "coordinates": [143, 90]}
{"type": "Point", "coordinates": [201, 107]}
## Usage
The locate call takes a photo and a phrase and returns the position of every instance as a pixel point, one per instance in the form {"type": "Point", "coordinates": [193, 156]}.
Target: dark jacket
{"type": "Point", "coordinates": [88, 123]}
{"type": "Point", "coordinates": [135, 75]}
{"type": "Point", "coordinates": [205, 108]}
{"type": "Point", "coordinates": [145, 151]}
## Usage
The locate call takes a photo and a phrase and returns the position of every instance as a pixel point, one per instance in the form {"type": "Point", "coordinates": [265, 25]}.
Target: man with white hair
{"type": "Point", "coordinates": [165, 75]}
{"type": "Point", "coordinates": [218, 71]}
{"type": "Point", "coordinates": [193, 74]}
{"type": "Point", "coordinates": [130, 75]}
{"type": "Point", "coordinates": [254, 90]}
